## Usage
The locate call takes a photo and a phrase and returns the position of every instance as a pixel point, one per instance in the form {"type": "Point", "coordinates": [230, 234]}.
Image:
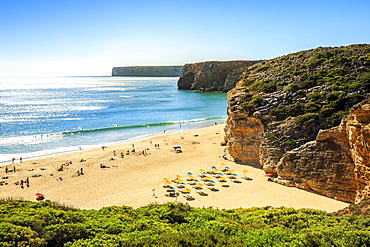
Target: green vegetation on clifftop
{"type": "Point", "coordinates": [323, 81]}
{"type": "Point", "coordinates": [44, 224]}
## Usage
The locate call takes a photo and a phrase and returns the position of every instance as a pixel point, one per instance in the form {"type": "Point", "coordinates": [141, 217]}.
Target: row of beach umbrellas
{"type": "Point", "coordinates": [207, 180]}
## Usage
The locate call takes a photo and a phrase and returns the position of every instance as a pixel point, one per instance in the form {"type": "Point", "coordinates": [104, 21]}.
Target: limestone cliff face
{"type": "Point", "coordinates": [335, 164]}
{"type": "Point", "coordinates": [289, 116]}
{"type": "Point", "coordinates": [210, 76]}
{"type": "Point", "coordinates": [357, 126]}
{"type": "Point", "coordinates": [148, 71]}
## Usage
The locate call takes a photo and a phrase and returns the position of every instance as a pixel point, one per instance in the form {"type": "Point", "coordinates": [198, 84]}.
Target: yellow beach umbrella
{"type": "Point", "coordinates": [191, 177]}
{"type": "Point", "coordinates": [165, 179]}
{"type": "Point", "coordinates": [229, 172]}
{"type": "Point", "coordinates": [208, 178]}
{"type": "Point", "coordinates": [178, 176]}
{"type": "Point", "coordinates": [222, 179]}
{"type": "Point", "coordinates": [187, 190]}
{"type": "Point", "coordinates": [178, 181]}
{"type": "Point", "coordinates": [167, 182]}
{"type": "Point", "coordinates": [201, 170]}
{"type": "Point", "coordinates": [200, 185]}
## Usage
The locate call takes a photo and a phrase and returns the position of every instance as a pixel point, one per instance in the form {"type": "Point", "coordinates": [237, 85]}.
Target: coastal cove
{"type": "Point", "coordinates": [47, 115]}
{"type": "Point", "coordinates": [137, 179]}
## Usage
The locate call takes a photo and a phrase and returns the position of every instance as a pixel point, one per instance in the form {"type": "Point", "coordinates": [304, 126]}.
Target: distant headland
{"type": "Point", "coordinates": [149, 71]}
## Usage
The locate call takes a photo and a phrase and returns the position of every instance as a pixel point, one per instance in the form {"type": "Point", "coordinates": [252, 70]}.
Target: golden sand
{"type": "Point", "coordinates": [136, 180]}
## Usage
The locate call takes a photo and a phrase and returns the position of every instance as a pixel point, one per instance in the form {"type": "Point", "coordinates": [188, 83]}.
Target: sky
{"type": "Point", "coordinates": [78, 37]}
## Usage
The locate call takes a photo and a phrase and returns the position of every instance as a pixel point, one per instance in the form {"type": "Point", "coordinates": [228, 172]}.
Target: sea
{"type": "Point", "coordinates": [45, 115]}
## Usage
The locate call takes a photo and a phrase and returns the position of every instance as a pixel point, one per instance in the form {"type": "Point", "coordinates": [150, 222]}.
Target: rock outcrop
{"type": "Point", "coordinates": [148, 71]}
{"type": "Point", "coordinates": [305, 118]}
{"type": "Point", "coordinates": [211, 76]}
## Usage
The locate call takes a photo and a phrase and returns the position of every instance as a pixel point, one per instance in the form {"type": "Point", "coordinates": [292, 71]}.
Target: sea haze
{"type": "Point", "coordinates": [45, 115]}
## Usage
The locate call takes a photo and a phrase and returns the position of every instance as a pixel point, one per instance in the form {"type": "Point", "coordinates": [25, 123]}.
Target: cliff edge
{"type": "Point", "coordinates": [305, 119]}
{"type": "Point", "coordinates": [148, 71]}
{"type": "Point", "coordinates": [211, 75]}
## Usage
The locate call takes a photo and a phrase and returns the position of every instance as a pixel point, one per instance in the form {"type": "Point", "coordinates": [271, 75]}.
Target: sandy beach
{"type": "Point", "coordinates": [137, 180]}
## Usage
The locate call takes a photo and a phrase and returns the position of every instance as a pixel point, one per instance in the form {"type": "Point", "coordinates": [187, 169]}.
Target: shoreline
{"type": "Point", "coordinates": [68, 149]}
{"type": "Point", "coordinates": [136, 179]}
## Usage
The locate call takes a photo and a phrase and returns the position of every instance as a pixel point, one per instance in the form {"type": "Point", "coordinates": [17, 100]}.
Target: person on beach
{"type": "Point", "coordinates": [28, 182]}
{"type": "Point", "coordinates": [20, 159]}
{"type": "Point", "coordinates": [6, 170]}
{"type": "Point", "coordinates": [81, 172]}
{"type": "Point", "coordinates": [122, 156]}
{"type": "Point", "coordinates": [13, 159]}
{"type": "Point", "coordinates": [14, 170]}
{"type": "Point", "coordinates": [114, 152]}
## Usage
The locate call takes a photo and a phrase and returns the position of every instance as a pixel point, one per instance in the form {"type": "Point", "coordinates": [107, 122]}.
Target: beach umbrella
{"type": "Point", "coordinates": [167, 182]}
{"type": "Point", "coordinates": [269, 175]}
{"type": "Point", "coordinates": [178, 176]}
{"type": "Point", "coordinates": [39, 194]}
{"type": "Point", "coordinates": [200, 185]}
{"type": "Point", "coordinates": [213, 167]}
{"type": "Point", "coordinates": [170, 189]}
{"type": "Point", "coordinates": [187, 190]}
{"type": "Point", "coordinates": [165, 179]}
{"type": "Point", "coordinates": [179, 181]}
{"type": "Point", "coordinates": [191, 177]}
{"type": "Point", "coordinates": [201, 170]}
{"type": "Point", "coordinates": [195, 181]}
{"type": "Point", "coordinates": [189, 173]}
{"type": "Point", "coordinates": [216, 170]}
{"type": "Point", "coordinates": [208, 178]}
{"type": "Point", "coordinates": [211, 182]}
{"type": "Point", "coordinates": [229, 172]}
{"type": "Point", "coordinates": [222, 179]}
{"type": "Point", "coordinates": [233, 175]}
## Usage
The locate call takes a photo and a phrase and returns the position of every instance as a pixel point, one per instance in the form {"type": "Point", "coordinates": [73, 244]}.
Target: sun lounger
{"type": "Point", "coordinates": [188, 196]}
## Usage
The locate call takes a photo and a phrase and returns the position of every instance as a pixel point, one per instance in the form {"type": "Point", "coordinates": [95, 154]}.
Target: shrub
{"type": "Point", "coordinates": [264, 86]}
{"type": "Point", "coordinates": [307, 119]}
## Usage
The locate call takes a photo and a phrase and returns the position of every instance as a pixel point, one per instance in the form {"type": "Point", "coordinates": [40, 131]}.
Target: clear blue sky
{"type": "Point", "coordinates": [90, 37]}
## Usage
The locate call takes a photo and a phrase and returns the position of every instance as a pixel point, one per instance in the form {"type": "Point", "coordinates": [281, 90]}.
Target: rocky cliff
{"type": "Point", "coordinates": [305, 118]}
{"type": "Point", "coordinates": [148, 71]}
{"type": "Point", "coordinates": [211, 76]}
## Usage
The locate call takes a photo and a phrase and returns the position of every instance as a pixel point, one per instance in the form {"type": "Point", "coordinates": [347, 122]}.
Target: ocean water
{"type": "Point", "coordinates": [47, 115]}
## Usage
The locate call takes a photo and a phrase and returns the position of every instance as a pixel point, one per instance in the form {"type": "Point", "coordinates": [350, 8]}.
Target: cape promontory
{"type": "Point", "coordinates": [211, 75]}
{"type": "Point", "coordinates": [148, 71]}
{"type": "Point", "coordinates": [305, 119]}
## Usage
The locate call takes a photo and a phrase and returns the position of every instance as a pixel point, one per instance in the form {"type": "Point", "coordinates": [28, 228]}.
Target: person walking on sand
{"type": "Point", "coordinates": [13, 159]}
{"type": "Point", "coordinates": [20, 159]}
{"type": "Point", "coordinates": [153, 190]}
{"type": "Point", "coordinates": [6, 169]}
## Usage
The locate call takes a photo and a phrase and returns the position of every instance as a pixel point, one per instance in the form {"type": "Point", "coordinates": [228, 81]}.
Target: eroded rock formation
{"type": "Point", "coordinates": [286, 115]}
{"type": "Point", "coordinates": [210, 76]}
